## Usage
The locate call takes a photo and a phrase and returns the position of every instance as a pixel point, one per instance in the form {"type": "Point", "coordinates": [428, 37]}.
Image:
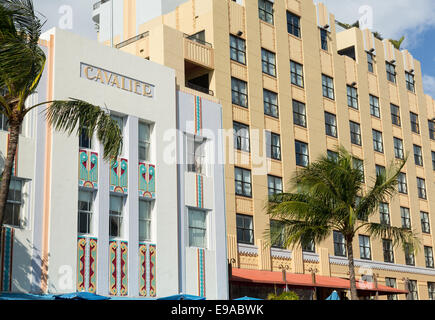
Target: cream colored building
{"type": "Point", "coordinates": [291, 50]}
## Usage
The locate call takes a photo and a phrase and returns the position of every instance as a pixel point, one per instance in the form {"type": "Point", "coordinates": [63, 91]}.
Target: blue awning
{"type": "Point", "coordinates": [182, 297]}
{"type": "Point", "coordinates": [80, 296]}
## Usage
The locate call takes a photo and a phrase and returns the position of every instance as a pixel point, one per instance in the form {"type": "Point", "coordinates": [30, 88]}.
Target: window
{"type": "Point", "coordinates": [277, 234]}
{"type": "Point", "coordinates": [299, 114]}
{"type": "Point", "coordinates": [237, 49]}
{"type": "Point", "coordinates": [328, 87]}
{"type": "Point", "coordinates": [395, 115]}
{"type": "Point", "coordinates": [431, 290]}
{"type": "Point", "coordinates": [245, 229]}
{"type": "Point", "coordinates": [339, 244]}
{"type": "Point", "coordinates": [425, 224]}
{"type": "Point", "coordinates": [388, 250]}
{"type": "Point", "coordinates": [370, 62]}
{"type": "Point", "coordinates": [359, 164]}
{"type": "Point", "coordinates": [433, 160]}
{"type": "Point", "coordinates": [115, 216]}
{"type": "Point", "coordinates": [239, 92]}
{"type": "Point", "coordinates": [119, 120]}
{"type": "Point", "coordinates": [324, 39]}
{"type": "Point", "coordinates": [418, 155]}
{"type": "Point", "coordinates": [268, 62]}
{"type": "Point", "coordinates": [86, 199]}
{"type": "Point", "coordinates": [398, 148]}
{"type": "Point", "coordinates": [197, 228]}
{"type": "Point", "coordinates": [431, 129]}
{"type": "Point", "coordinates": [377, 141]}
{"type": "Point", "coordinates": [374, 107]}
{"type": "Point", "coordinates": [355, 133]}
{"type": "Point", "coordinates": [409, 256]}
{"type": "Point", "coordinates": [4, 125]}
{"type": "Point", "coordinates": [402, 184]}
{"type": "Point", "coordinates": [84, 140]}
{"type": "Point", "coordinates": [428, 255]}
{"type": "Point", "coordinates": [391, 282]}
{"type": "Point", "coordinates": [391, 72]}
{"type": "Point", "coordinates": [412, 288]}
{"type": "Point", "coordinates": [144, 141]}
{"type": "Point", "coordinates": [274, 185]}
{"type": "Point", "coordinates": [405, 217]}
{"type": "Point", "coordinates": [364, 247]}
{"type": "Point", "coordinates": [243, 182]}
{"type": "Point", "coordinates": [415, 126]}
{"type": "Point", "coordinates": [241, 137]}
{"type": "Point", "coordinates": [293, 24]}
{"type": "Point", "coordinates": [332, 155]}
{"type": "Point", "coordinates": [309, 247]}
{"type": "Point", "coordinates": [380, 170]}
{"type": "Point", "coordinates": [410, 82]}
{"type": "Point", "coordinates": [302, 157]}
{"type": "Point", "coordinates": [384, 211]}
{"type": "Point", "coordinates": [270, 103]}
{"type": "Point", "coordinates": [196, 154]}
{"type": "Point", "coordinates": [352, 97]}
{"type": "Point", "coordinates": [265, 11]}
{"type": "Point", "coordinates": [145, 220]}
{"type": "Point", "coordinates": [273, 146]}
{"type": "Point", "coordinates": [297, 74]}
{"type": "Point", "coordinates": [331, 124]}
{"type": "Point", "coordinates": [14, 203]}
{"type": "Point", "coordinates": [421, 186]}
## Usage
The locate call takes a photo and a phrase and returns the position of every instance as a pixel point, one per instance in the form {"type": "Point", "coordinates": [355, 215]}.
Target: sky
{"type": "Point", "coordinates": [414, 19]}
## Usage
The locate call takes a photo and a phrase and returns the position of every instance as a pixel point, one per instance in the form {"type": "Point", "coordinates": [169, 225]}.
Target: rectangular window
{"type": "Point", "coordinates": [391, 72]}
{"type": "Point", "coordinates": [395, 115]}
{"type": "Point", "coordinates": [324, 39]}
{"type": "Point", "coordinates": [197, 228]}
{"type": "Point", "coordinates": [431, 129]}
{"type": "Point", "coordinates": [384, 211]}
{"type": "Point", "coordinates": [421, 186]}
{"type": "Point", "coordinates": [410, 83]}
{"type": "Point", "coordinates": [302, 157]}
{"type": "Point", "coordinates": [428, 255]}
{"type": "Point", "coordinates": [405, 217]}
{"type": "Point", "coordinates": [145, 220]}
{"type": "Point", "coordinates": [374, 107]}
{"type": "Point", "coordinates": [409, 256]}
{"type": "Point", "coordinates": [355, 133]}
{"type": "Point", "coordinates": [398, 149]}
{"type": "Point", "coordinates": [297, 74]}
{"type": "Point", "coordinates": [402, 184]}
{"type": "Point", "coordinates": [431, 290]}
{"type": "Point", "coordinates": [237, 49]}
{"type": "Point", "coordinates": [359, 164]}
{"type": "Point", "coordinates": [378, 144]}
{"type": "Point", "coordinates": [293, 24]}
{"type": "Point", "coordinates": [241, 137]}
{"type": "Point", "coordinates": [277, 234]}
{"type": "Point", "coordinates": [391, 282]}
{"type": "Point", "coordinates": [239, 92]}
{"type": "Point", "coordinates": [265, 11]}
{"type": "Point", "coordinates": [274, 185]}
{"type": "Point", "coordinates": [115, 216]}
{"type": "Point", "coordinates": [268, 62]}
{"type": "Point", "coordinates": [433, 160]}
{"type": "Point", "coordinates": [309, 247]}
{"type": "Point", "coordinates": [144, 141]}
{"type": "Point", "coordinates": [243, 182]}
{"type": "Point", "coordinates": [425, 223]}
{"type": "Point", "coordinates": [299, 114]}
{"type": "Point", "coordinates": [196, 154]}
{"type": "Point", "coordinates": [245, 229]}
{"type": "Point", "coordinates": [14, 203]}
{"type": "Point", "coordinates": [370, 62]}
{"type": "Point", "coordinates": [85, 206]}
{"type": "Point", "coordinates": [273, 146]}
{"type": "Point", "coordinates": [364, 247]}
{"type": "Point", "coordinates": [339, 244]}
{"type": "Point", "coordinates": [270, 100]}
{"type": "Point", "coordinates": [412, 288]}
{"type": "Point", "coordinates": [380, 170]}
{"type": "Point", "coordinates": [418, 155]}
{"type": "Point", "coordinates": [415, 126]}
{"type": "Point", "coordinates": [84, 140]}
{"type": "Point", "coordinates": [332, 155]}
{"type": "Point", "coordinates": [328, 87]}
{"type": "Point", "coordinates": [388, 250]}
{"type": "Point", "coordinates": [331, 124]}
{"type": "Point", "coordinates": [352, 97]}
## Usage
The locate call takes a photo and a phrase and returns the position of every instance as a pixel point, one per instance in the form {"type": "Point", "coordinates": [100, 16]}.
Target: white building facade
{"type": "Point", "coordinates": [148, 224]}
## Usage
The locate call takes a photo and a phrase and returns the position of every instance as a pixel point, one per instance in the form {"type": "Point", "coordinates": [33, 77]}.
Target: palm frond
{"type": "Point", "coordinates": [76, 115]}
{"type": "Point", "coordinates": [399, 236]}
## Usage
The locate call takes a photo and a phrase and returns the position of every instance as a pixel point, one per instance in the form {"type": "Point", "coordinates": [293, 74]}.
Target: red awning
{"type": "Point", "coordinates": [306, 280]}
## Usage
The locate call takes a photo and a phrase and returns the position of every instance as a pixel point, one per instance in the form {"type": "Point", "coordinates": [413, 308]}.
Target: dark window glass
{"type": "Point", "coordinates": [270, 103]}
{"type": "Point", "coordinates": [398, 149]}
{"type": "Point", "coordinates": [395, 115]}
{"type": "Point", "coordinates": [370, 62]}
{"type": "Point", "coordinates": [241, 137]}
{"type": "Point", "coordinates": [14, 203]}
{"type": "Point", "coordinates": [245, 229]}
{"type": "Point", "coordinates": [364, 247]}
{"type": "Point", "coordinates": [355, 133]}
{"type": "Point", "coordinates": [391, 282]}
{"type": "Point", "coordinates": [409, 256]}
{"type": "Point", "coordinates": [410, 83]}
{"type": "Point", "coordinates": [339, 244]}
{"type": "Point", "coordinates": [331, 124]}
{"type": "Point", "coordinates": [265, 11]}
{"type": "Point", "coordinates": [273, 146]}
{"type": "Point", "coordinates": [268, 62]}
{"type": "Point", "coordinates": [85, 211]}
{"type": "Point", "coordinates": [412, 288]}
{"type": "Point", "coordinates": [293, 24]}
{"type": "Point", "coordinates": [405, 217]}
{"type": "Point", "coordinates": [239, 92]}
{"type": "Point", "coordinates": [243, 182]}
{"type": "Point", "coordinates": [274, 185]}
{"type": "Point", "coordinates": [277, 234]}
{"type": "Point", "coordinates": [237, 49]}
{"type": "Point", "coordinates": [391, 72]}
{"type": "Point", "coordinates": [418, 155]}
{"type": "Point", "coordinates": [421, 186]}
{"type": "Point", "coordinates": [328, 87]}
{"type": "Point", "coordinates": [431, 129]}
{"type": "Point", "coordinates": [431, 290]}
{"type": "Point", "coordinates": [402, 184]}
{"type": "Point", "coordinates": [297, 74]}
{"type": "Point", "coordinates": [377, 141]}
{"type": "Point", "coordinates": [302, 157]}
{"type": "Point", "coordinates": [324, 39]}
{"type": "Point", "coordinates": [384, 213]}
{"type": "Point", "coordinates": [415, 126]}
{"type": "Point", "coordinates": [428, 255]}
{"type": "Point", "coordinates": [425, 223]}
{"type": "Point", "coordinates": [388, 250]}
{"type": "Point", "coordinates": [299, 114]}
{"type": "Point", "coordinates": [374, 107]}
{"type": "Point", "coordinates": [352, 97]}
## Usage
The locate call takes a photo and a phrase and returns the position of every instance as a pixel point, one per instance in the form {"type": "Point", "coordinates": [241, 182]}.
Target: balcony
{"type": "Point", "coordinates": [198, 52]}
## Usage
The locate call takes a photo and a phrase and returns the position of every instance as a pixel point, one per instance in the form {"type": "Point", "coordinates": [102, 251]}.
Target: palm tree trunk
{"type": "Point", "coordinates": [14, 130]}
{"type": "Point", "coordinates": [352, 278]}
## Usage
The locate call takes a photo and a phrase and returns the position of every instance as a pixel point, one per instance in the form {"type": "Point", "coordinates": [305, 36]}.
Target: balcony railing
{"type": "Point", "coordinates": [131, 40]}
{"type": "Point", "coordinates": [199, 88]}
{"type": "Point", "coordinates": [193, 38]}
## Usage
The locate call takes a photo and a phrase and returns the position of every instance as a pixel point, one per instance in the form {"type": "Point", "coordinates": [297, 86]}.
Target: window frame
{"type": "Point", "coordinates": [241, 143]}
{"type": "Point", "coordinates": [147, 220]}
{"type": "Point", "coordinates": [89, 212]}
{"type": "Point", "coordinates": [14, 203]}
{"type": "Point", "coordinates": [274, 190]}
{"type": "Point", "coordinates": [428, 257]}
{"type": "Point", "coordinates": [297, 74]}
{"type": "Point", "coordinates": [331, 129]}
{"type": "Point", "coordinates": [415, 123]}
{"type": "Point", "coordinates": [328, 90]}
{"type": "Point", "coordinates": [239, 48]}
{"type": "Point", "coordinates": [405, 218]}
{"type": "Point", "coordinates": [375, 109]}
{"type": "Point", "coordinates": [267, 66]}
{"type": "Point", "coordinates": [370, 62]}
{"type": "Point", "coordinates": [354, 134]}
{"type": "Point", "coordinates": [196, 152]}
{"type": "Point", "coordinates": [384, 215]}
{"type": "Point", "coordinates": [388, 250]}
{"type": "Point", "coordinates": [352, 97]}
{"type": "Point", "coordinates": [294, 24]}
{"type": "Point", "coordinates": [410, 81]}
{"type": "Point", "coordinates": [297, 116]}
{"type": "Point", "coordinates": [391, 72]}
{"type": "Point", "coordinates": [243, 183]}
{"type": "Point", "coordinates": [204, 228]}
{"type": "Point", "coordinates": [402, 183]}
{"type": "Point", "coordinates": [266, 11]}
{"type": "Point", "coordinates": [395, 115]}
{"type": "Point", "coordinates": [238, 92]}
{"type": "Point", "coordinates": [399, 151]}
{"type": "Point", "coordinates": [243, 228]}
{"type": "Point", "coordinates": [300, 156]}
{"type": "Point", "coordinates": [418, 155]}
{"type": "Point", "coordinates": [146, 145]}
{"type": "Point", "coordinates": [421, 188]}
{"type": "Point", "coordinates": [119, 216]}
{"type": "Point", "coordinates": [324, 39]}
{"type": "Point", "coordinates": [365, 247]}
{"type": "Point", "coordinates": [269, 106]}
{"type": "Point", "coordinates": [431, 125]}
{"type": "Point", "coordinates": [378, 141]}
{"type": "Point", "coordinates": [425, 222]}
{"type": "Point", "coordinates": [339, 244]}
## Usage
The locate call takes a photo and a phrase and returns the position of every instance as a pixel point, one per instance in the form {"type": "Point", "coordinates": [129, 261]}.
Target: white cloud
{"type": "Point", "coordinates": [429, 85]}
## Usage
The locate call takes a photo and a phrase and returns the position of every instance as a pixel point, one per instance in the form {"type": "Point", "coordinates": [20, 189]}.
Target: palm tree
{"type": "Point", "coordinates": [329, 196]}
{"type": "Point", "coordinates": [397, 43]}
{"type": "Point", "coordinates": [21, 66]}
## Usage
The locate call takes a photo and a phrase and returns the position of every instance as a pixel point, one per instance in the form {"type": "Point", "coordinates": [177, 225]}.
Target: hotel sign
{"type": "Point", "coordinates": [115, 80]}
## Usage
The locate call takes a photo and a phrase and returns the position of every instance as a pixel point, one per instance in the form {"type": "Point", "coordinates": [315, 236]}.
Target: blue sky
{"type": "Point", "coordinates": [392, 18]}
